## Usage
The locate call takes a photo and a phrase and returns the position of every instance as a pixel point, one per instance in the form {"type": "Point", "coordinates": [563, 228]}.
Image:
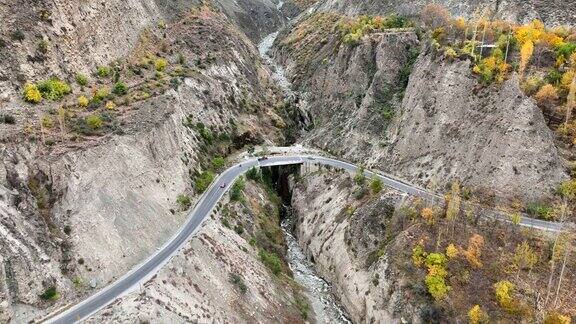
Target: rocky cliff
{"type": "Point", "coordinates": [356, 246]}
{"type": "Point", "coordinates": [444, 114]}
{"type": "Point", "coordinates": [392, 258]}
{"type": "Point", "coordinates": [381, 103]}
{"type": "Point", "coordinates": [61, 38]}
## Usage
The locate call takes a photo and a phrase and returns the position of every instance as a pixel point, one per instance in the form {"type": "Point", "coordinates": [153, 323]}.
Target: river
{"type": "Point", "coordinates": [322, 301]}
{"type": "Point", "coordinates": [319, 292]}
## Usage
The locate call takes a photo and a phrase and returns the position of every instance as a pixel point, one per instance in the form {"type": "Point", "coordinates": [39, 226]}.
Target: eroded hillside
{"type": "Point", "coordinates": [116, 116]}
{"type": "Point", "coordinates": [218, 275]}
{"type": "Point", "coordinates": [393, 258]}
{"type": "Point", "coordinates": [39, 39]}
{"type": "Point", "coordinates": [98, 174]}
{"type": "Point", "coordinates": [390, 100]}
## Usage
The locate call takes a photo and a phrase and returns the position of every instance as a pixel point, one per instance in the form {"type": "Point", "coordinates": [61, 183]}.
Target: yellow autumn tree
{"type": "Point", "coordinates": [83, 102]}
{"type": "Point", "coordinates": [551, 39]}
{"type": "Point", "coordinates": [110, 105]}
{"type": "Point", "coordinates": [503, 290]}
{"type": "Point", "coordinates": [492, 68]}
{"type": "Point", "coordinates": [547, 95]}
{"type": "Point", "coordinates": [428, 215]}
{"type": "Point", "coordinates": [557, 318]}
{"type": "Point", "coordinates": [31, 93]}
{"type": "Point", "coordinates": [451, 251]}
{"type": "Point", "coordinates": [525, 54]}
{"type": "Point", "coordinates": [474, 250]}
{"type": "Point", "coordinates": [460, 24]}
{"type": "Point", "coordinates": [476, 315]}
{"type": "Point", "coordinates": [566, 79]}
{"type": "Point", "coordinates": [524, 256]}
{"type": "Point", "coordinates": [530, 32]}
{"type": "Point", "coordinates": [515, 218]}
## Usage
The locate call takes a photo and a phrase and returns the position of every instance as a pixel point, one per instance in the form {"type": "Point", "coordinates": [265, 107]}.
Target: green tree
{"type": "Point", "coordinates": [218, 163]}
{"type": "Point", "coordinates": [418, 255]}
{"type": "Point", "coordinates": [568, 189]}
{"type": "Point", "coordinates": [184, 201]}
{"type": "Point", "coordinates": [376, 185]}
{"type": "Point", "coordinates": [237, 280]}
{"type": "Point", "coordinates": [236, 190]}
{"type": "Point", "coordinates": [94, 122]}
{"type": "Point", "coordinates": [254, 174]}
{"type": "Point", "coordinates": [100, 95]}
{"type": "Point", "coordinates": [436, 282]}
{"type": "Point", "coordinates": [103, 71]}
{"type": "Point", "coordinates": [203, 181]}
{"type": "Point", "coordinates": [120, 88]}
{"type": "Point", "coordinates": [54, 89]}
{"type": "Point", "coordinates": [81, 79]}
{"type": "Point", "coordinates": [360, 178]}
{"type": "Point", "coordinates": [271, 260]}
{"type": "Point", "coordinates": [436, 278]}
{"type": "Point", "coordinates": [50, 294]}
{"type": "Point", "coordinates": [436, 259]}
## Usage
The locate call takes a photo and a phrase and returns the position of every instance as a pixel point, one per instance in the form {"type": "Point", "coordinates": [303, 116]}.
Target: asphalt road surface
{"type": "Point", "coordinates": [204, 207]}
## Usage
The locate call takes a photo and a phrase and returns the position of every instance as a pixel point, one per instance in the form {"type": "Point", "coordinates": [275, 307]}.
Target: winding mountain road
{"type": "Point", "coordinates": [147, 269]}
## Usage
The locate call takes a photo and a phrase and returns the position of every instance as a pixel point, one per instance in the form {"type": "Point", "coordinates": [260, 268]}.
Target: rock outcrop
{"type": "Point", "coordinates": [445, 113]}
{"type": "Point", "coordinates": [356, 247]}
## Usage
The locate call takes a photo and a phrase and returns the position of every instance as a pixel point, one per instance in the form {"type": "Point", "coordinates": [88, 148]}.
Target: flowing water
{"type": "Point", "coordinates": [319, 292]}
{"type": "Point", "coordinates": [277, 70]}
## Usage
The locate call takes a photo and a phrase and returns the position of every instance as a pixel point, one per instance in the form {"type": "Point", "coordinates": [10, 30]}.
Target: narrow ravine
{"type": "Point", "coordinates": [322, 300]}
{"type": "Point", "coordinates": [319, 292]}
